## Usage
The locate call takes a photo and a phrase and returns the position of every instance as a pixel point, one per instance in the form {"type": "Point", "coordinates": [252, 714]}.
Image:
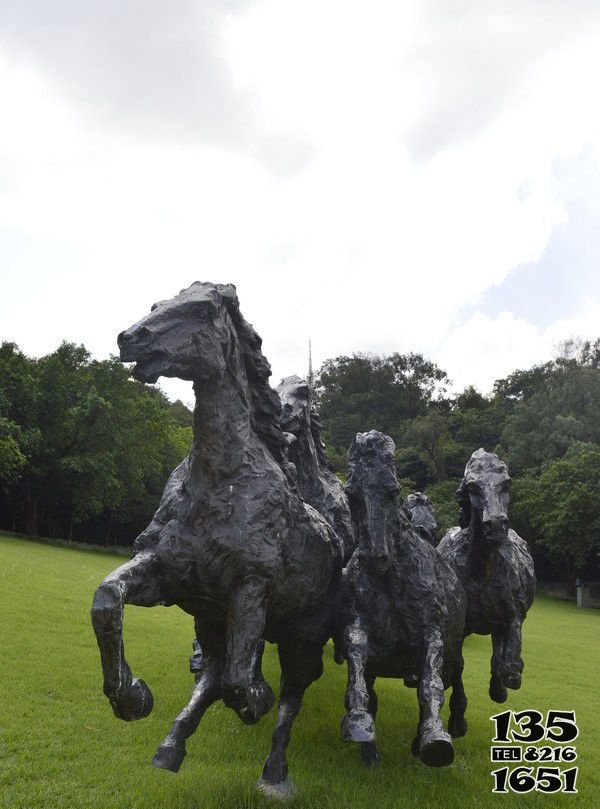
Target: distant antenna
{"type": "Point", "coordinates": [310, 368]}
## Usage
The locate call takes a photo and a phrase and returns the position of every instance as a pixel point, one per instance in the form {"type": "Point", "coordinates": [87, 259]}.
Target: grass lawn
{"type": "Point", "coordinates": [61, 746]}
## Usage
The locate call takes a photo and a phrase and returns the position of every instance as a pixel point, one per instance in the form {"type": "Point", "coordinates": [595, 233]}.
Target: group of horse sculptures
{"type": "Point", "coordinates": [258, 540]}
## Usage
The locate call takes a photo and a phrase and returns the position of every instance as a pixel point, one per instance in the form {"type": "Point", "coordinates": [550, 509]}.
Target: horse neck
{"type": "Point", "coordinates": [481, 553]}
{"type": "Point", "coordinates": [222, 426]}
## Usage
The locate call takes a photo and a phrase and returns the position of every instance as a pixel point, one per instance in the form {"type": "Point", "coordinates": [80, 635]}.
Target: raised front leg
{"type": "Point", "coordinates": [243, 687]}
{"type": "Point", "coordinates": [357, 725]}
{"type": "Point", "coordinates": [434, 743]}
{"type": "Point", "coordinates": [498, 690]}
{"type": "Point", "coordinates": [300, 666]}
{"type": "Point", "coordinates": [135, 582]}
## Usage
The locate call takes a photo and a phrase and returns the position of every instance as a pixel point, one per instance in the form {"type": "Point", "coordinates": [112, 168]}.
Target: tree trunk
{"type": "Point", "coordinates": [571, 589]}
{"type": "Point", "coordinates": [110, 521]}
{"type": "Point", "coordinates": [71, 526]}
{"type": "Point", "coordinates": [31, 515]}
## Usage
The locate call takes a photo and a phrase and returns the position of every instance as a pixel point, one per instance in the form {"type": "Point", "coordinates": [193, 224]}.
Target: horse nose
{"type": "Point", "coordinates": [126, 342]}
{"type": "Point", "coordinates": [495, 527]}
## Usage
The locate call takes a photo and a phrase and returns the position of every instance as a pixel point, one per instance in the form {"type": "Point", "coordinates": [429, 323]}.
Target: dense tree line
{"type": "Point", "coordinates": [84, 450]}
{"type": "Point", "coordinates": [543, 421]}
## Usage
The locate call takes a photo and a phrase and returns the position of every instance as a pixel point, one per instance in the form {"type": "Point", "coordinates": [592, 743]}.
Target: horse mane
{"type": "Point", "coordinates": [265, 405]}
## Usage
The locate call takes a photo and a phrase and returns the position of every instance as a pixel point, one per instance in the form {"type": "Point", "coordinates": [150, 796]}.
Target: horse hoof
{"type": "Point", "coordinates": [513, 681]}
{"type": "Point", "coordinates": [250, 704]}
{"type": "Point", "coordinates": [137, 704]}
{"type": "Point", "coordinates": [370, 754]}
{"type": "Point", "coordinates": [284, 791]}
{"type": "Point", "coordinates": [169, 757]}
{"type": "Point", "coordinates": [457, 726]}
{"type": "Point", "coordinates": [498, 693]}
{"type": "Point", "coordinates": [436, 749]}
{"type": "Point", "coordinates": [358, 727]}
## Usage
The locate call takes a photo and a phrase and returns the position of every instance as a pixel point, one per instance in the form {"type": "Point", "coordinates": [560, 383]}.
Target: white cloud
{"type": "Point", "coordinates": [484, 348]}
{"type": "Point", "coordinates": [362, 176]}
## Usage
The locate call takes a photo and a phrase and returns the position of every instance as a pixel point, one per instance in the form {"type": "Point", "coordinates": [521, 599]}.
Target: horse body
{"type": "Point", "coordinates": [232, 542]}
{"type": "Point", "coordinates": [404, 610]}
{"type": "Point", "coordinates": [494, 566]}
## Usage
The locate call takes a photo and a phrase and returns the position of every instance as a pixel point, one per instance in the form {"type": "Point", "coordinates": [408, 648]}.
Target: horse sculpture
{"type": "Point", "coordinates": [232, 543]}
{"type": "Point", "coordinates": [494, 566]}
{"type": "Point", "coordinates": [317, 482]}
{"type": "Point", "coordinates": [422, 516]}
{"type": "Point", "coordinates": [404, 611]}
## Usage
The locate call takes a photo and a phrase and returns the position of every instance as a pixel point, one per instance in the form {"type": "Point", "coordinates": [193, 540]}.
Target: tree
{"type": "Point", "coordinates": [367, 392]}
{"type": "Point", "coordinates": [430, 434]}
{"type": "Point", "coordinates": [82, 444]}
{"type": "Point", "coordinates": [419, 380]}
{"type": "Point", "coordinates": [563, 504]}
{"type": "Point", "coordinates": [443, 497]}
{"type": "Point", "coordinates": [565, 410]}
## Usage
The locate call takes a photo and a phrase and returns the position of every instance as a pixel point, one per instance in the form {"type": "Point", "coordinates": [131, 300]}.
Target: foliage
{"type": "Point", "coordinates": [443, 497]}
{"type": "Point", "coordinates": [562, 504]}
{"type": "Point", "coordinates": [563, 411]}
{"type": "Point", "coordinates": [366, 392]}
{"type": "Point", "coordinates": [82, 445]}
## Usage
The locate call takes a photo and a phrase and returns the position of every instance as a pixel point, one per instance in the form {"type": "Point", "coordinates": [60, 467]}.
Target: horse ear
{"type": "Point", "coordinates": [464, 501]}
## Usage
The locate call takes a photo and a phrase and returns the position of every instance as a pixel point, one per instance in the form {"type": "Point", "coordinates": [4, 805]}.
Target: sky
{"type": "Point", "coordinates": [383, 176]}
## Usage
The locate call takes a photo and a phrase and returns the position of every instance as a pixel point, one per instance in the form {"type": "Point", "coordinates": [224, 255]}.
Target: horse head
{"type": "Point", "coordinates": [201, 335]}
{"type": "Point", "coordinates": [422, 516]}
{"type": "Point", "coordinates": [373, 490]}
{"type": "Point", "coordinates": [483, 497]}
{"type": "Point", "coordinates": [188, 336]}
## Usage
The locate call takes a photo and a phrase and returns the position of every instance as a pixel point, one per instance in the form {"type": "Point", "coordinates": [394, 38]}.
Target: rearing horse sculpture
{"type": "Point", "coordinates": [494, 566]}
{"type": "Point", "coordinates": [232, 542]}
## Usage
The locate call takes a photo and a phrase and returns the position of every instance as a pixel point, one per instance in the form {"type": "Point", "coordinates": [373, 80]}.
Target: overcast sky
{"type": "Point", "coordinates": [383, 176]}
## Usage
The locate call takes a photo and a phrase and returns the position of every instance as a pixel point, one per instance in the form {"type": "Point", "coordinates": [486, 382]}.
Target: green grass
{"type": "Point", "coordinates": [61, 746]}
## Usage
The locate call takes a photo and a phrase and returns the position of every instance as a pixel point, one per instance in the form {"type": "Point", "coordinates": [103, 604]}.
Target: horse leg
{"type": "Point", "coordinates": [357, 725]}
{"type": "Point", "coordinates": [512, 661]}
{"type": "Point", "coordinates": [243, 687]}
{"type": "Point", "coordinates": [207, 690]}
{"type": "Point", "coordinates": [136, 582]}
{"type": "Point", "coordinates": [196, 659]}
{"type": "Point", "coordinates": [368, 750]}
{"type": "Point", "coordinates": [300, 666]}
{"type": "Point", "coordinates": [457, 724]}
{"type": "Point", "coordinates": [498, 692]}
{"type": "Point", "coordinates": [435, 744]}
